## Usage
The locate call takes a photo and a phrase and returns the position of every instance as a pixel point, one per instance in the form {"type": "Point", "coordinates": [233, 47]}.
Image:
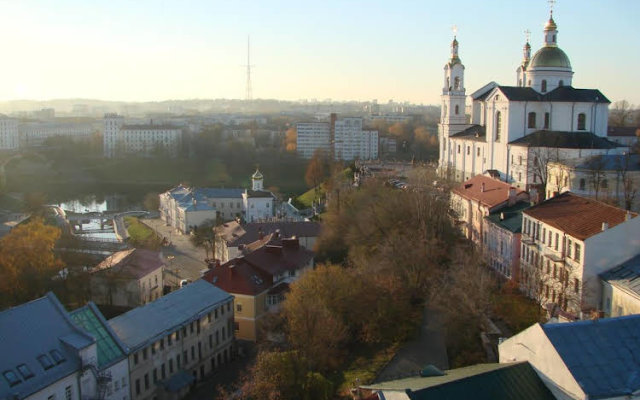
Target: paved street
{"type": "Point", "coordinates": [183, 260]}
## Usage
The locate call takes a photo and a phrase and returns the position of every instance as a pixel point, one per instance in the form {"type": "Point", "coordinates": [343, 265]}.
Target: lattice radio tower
{"type": "Point", "coordinates": [249, 94]}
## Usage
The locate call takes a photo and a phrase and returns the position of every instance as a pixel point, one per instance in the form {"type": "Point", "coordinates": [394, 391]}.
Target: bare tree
{"type": "Point", "coordinates": [597, 174]}
{"type": "Point", "coordinates": [629, 191]}
{"type": "Point", "coordinates": [538, 162]}
{"type": "Point", "coordinates": [621, 114]}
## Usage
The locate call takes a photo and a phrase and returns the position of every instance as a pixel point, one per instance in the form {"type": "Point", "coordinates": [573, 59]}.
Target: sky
{"type": "Point", "coordinates": [147, 50]}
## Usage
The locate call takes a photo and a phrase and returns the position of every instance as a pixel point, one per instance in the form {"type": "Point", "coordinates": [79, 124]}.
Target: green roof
{"type": "Point", "coordinates": [91, 320]}
{"type": "Point", "coordinates": [514, 381]}
{"type": "Point", "coordinates": [550, 56]}
{"type": "Point", "coordinates": [512, 217]}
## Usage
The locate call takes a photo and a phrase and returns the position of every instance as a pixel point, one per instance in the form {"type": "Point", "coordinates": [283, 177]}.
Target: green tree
{"type": "Point", "coordinates": [151, 202]}
{"type": "Point", "coordinates": [204, 236]}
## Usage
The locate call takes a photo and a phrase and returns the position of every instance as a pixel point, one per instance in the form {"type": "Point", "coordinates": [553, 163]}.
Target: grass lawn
{"type": "Point", "coordinates": [306, 198]}
{"type": "Point", "coordinates": [365, 364]}
{"type": "Point", "coordinates": [141, 235]}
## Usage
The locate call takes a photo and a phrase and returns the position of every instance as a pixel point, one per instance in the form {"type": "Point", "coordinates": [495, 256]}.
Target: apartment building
{"type": "Point", "coordinates": [9, 137]}
{"type": "Point", "coordinates": [177, 340]}
{"type": "Point", "coordinates": [566, 242]}
{"type": "Point", "coordinates": [343, 139]}
{"type": "Point", "coordinates": [312, 136]}
{"type": "Point", "coordinates": [501, 239]}
{"type": "Point", "coordinates": [140, 139]}
{"type": "Point", "coordinates": [35, 133]}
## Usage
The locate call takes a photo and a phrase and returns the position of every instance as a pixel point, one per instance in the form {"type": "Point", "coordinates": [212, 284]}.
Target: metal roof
{"type": "Point", "coordinates": [36, 329]}
{"type": "Point", "coordinates": [109, 347]}
{"type": "Point", "coordinates": [512, 381]}
{"type": "Point", "coordinates": [564, 140]}
{"type": "Point", "coordinates": [602, 355]}
{"type": "Point", "coordinates": [512, 220]}
{"type": "Point", "coordinates": [625, 275]}
{"type": "Point", "coordinates": [144, 325]}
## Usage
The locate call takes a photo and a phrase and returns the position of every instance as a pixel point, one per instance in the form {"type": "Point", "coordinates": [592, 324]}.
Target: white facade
{"type": "Point", "coordinates": [343, 138]}
{"type": "Point", "coordinates": [311, 137]}
{"type": "Point", "coordinates": [142, 139]}
{"type": "Point", "coordinates": [9, 138]}
{"type": "Point", "coordinates": [542, 104]}
{"type": "Point", "coordinates": [35, 133]}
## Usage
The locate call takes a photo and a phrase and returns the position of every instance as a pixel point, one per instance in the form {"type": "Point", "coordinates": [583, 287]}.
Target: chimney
{"type": "Point", "coordinates": [512, 196]}
{"type": "Point", "coordinates": [482, 187]}
{"type": "Point", "coordinates": [605, 226]}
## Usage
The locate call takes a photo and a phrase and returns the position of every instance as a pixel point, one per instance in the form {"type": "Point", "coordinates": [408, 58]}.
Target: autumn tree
{"type": "Point", "coordinates": [27, 261]}
{"type": "Point", "coordinates": [151, 202]}
{"type": "Point", "coordinates": [291, 139]}
{"type": "Point", "coordinates": [318, 170]}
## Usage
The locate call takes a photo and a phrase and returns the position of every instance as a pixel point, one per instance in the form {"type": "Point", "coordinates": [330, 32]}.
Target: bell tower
{"type": "Point", "coordinates": [453, 91]}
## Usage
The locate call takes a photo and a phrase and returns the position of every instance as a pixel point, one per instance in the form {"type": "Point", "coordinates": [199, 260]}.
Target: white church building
{"type": "Point", "coordinates": [515, 130]}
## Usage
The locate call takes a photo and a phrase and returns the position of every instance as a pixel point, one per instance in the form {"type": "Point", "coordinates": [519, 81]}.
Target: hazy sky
{"type": "Point", "coordinates": [345, 50]}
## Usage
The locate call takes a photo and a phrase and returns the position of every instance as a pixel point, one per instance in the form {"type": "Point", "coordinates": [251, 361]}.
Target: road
{"type": "Point", "coordinates": [183, 259]}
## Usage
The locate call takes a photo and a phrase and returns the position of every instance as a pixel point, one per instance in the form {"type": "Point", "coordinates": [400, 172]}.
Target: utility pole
{"type": "Point", "coordinates": [249, 94]}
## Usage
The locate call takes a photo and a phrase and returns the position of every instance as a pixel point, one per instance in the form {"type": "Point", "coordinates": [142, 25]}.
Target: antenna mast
{"type": "Point", "coordinates": [249, 94]}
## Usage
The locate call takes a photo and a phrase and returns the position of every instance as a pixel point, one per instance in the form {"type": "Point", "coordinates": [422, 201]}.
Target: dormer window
{"type": "Point", "coordinates": [11, 377]}
{"type": "Point", "coordinates": [25, 371]}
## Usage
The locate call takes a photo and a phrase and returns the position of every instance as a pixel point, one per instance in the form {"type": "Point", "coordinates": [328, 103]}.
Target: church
{"type": "Point", "coordinates": [514, 131]}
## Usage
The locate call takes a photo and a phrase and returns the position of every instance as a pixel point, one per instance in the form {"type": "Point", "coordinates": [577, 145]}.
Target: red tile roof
{"type": "Point", "coordinates": [577, 216]}
{"type": "Point", "coordinates": [495, 192]}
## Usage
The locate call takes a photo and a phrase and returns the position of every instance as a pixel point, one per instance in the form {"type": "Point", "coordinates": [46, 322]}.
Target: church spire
{"type": "Point", "coordinates": [454, 48]}
{"type": "Point", "coordinates": [526, 50]}
{"type": "Point", "coordinates": [551, 29]}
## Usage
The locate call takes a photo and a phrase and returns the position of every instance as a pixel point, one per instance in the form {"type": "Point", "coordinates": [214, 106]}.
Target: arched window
{"type": "Point", "coordinates": [498, 125]}
{"type": "Point", "coordinates": [561, 83]}
{"type": "Point", "coordinates": [546, 120]}
{"type": "Point", "coordinates": [543, 86]}
{"type": "Point", "coordinates": [582, 121]}
{"type": "Point", "coordinates": [456, 83]}
{"type": "Point", "coordinates": [448, 84]}
{"type": "Point", "coordinates": [582, 184]}
{"type": "Point", "coordinates": [532, 120]}
{"type": "Point", "coordinates": [457, 110]}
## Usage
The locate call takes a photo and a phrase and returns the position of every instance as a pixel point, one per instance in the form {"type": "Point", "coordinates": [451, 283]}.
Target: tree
{"type": "Point", "coordinates": [27, 261]}
{"type": "Point", "coordinates": [204, 236]}
{"type": "Point", "coordinates": [291, 139]}
{"type": "Point", "coordinates": [629, 189]}
{"type": "Point", "coordinates": [621, 113]}
{"type": "Point", "coordinates": [537, 163]}
{"type": "Point", "coordinates": [317, 171]}
{"type": "Point", "coordinates": [597, 174]}
{"type": "Point", "coordinates": [151, 202]}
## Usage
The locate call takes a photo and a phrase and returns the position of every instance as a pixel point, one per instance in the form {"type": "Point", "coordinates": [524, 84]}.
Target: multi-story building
{"type": "Point", "coordinates": [9, 138]}
{"type": "Point", "coordinates": [342, 139]}
{"type": "Point", "coordinates": [501, 239]}
{"type": "Point", "coordinates": [176, 340]}
{"type": "Point", "coordinates": [476, 199]}
{"type": "Point", "coordinates": [128, 278]}
{"type": "Point", "coordinates": [45, 355]}
{"type": "Point", "coordinates": [35, 133]}
{"type": "Point", "coordinates": [566, 242]}
{"type": "Point", "coordinates": [112, 363]}
{"type": "Point", "coordinates": [613, 178]}
{"type": "Point", "coordinates": [517, 129]}
{"type": "Point", "coordinates": [142, 139]}
{"type": "Point", "coordinates": [259, 278]}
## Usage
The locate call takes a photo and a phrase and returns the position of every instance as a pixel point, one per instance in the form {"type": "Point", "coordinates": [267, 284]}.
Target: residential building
{"type": "Point", "coordinates": [567, 241]}
{"type": "Point", "coordinates": [128, 278]}
{"type": "Point", "coordinates": [342, 139]}
{"type": "Point", "coordinates": [613, 178]}
{"type": "Point", "coordinates": [45, 355]}
{"type": "Point", "coordinates": [621, 289]}
{"type": "Point", "coordinates": [141, 139]}
{"type": "Point", "coordinates": [516, 129]}
{"type": "Point", "coordinates": [35, 133]}
{"type": "Point", "coordinates": [9, 138]}
{"type": "Point", "coordinates": [232, 236]}
{"type": "Point", "coordinates": [502, 239]}
{"type": "Point", "coordinates": [259, 279]}
{"type": "Point", "coordinates": [594, 359]}
{"type": "Point", "coordinates": [176, 340]}
{"type": "Point", "coordinates": [478, 197]}
{"type": "Point", "coordinates": [112, 361]}
{"type": "Point", "coordinates": [511, 381]}
{"type": "Point", "coordinates": [624, 135]}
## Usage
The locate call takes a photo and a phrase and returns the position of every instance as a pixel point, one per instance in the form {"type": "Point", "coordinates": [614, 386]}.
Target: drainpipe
{"type": "Point", "coordinates": [573, 116]}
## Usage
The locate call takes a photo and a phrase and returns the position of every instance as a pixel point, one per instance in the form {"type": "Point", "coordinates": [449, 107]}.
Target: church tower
{"type": "Point", "coordinates": [256, 180]}
{"type": "Point", "coordinates": [522, 69]}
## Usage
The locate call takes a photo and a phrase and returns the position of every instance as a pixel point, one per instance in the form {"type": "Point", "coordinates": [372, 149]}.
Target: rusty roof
{"type": "Point", "coordinates": [577, 216]}
{"type": "Point", "coordinates": [495, 192]}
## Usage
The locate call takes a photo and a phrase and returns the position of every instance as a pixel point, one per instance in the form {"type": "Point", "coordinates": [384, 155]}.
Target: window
{"type": "Point", "coordinates": [25, 371]}
{"type": "Point", "coordinates": [457, 109]}
{"type": "Point", "coordinates": [137, 386]}
{"type": "Point", "coordinates": [45, 361]}
{"type": "Point", "coordinates": [550, 239]}
{"type": "Point", "coordinates": [238, 307]}
{"type": "Point", "coordinates": [153, 348]}
{"type": "Point", "coordinates": [543, 86]}
{"type": "Point", "coordinates": [163, 373]}
{"type": "Point", "coordinates": [568, 252]}
{"type": "Point", "coordinates": [519, 160]}
{"type": "Point", "coordinates": [478, 152]}
{"type": "Point", "coordinates": [209, 318]}
{"type": "Point", "coordinates": [456, 83]}
{"type": "Point", "coordinates": [458, 149]}
{"type": "Point", "coordinates": [185, 355]}
{"type": "Point", "coordinates": [582, 184]}
{"type": "Point", "coordinates": [582, 121]}
{"type": "Point", "coordinates": [178, 361]}
{"type": "Point", "coordinates": [577, 252]}
{"type": "Point", "coordinates": [468, 150]}
{"type": "Point", "coordinates": [155, 375]}
{"type": "Point", "coordinates": [546, 120]}
{"type": "Point", "coordinates": [498, 125]}
{"type": "Point", "coordinates": [576, 284]}
{"type": "Point", "coordinates": [11, 377]}
{"type": "Point", "coordinates": [144, 353]}
{"type": "Point", "coordinates": [57, 356]}
{"type": "Point", "coordinates": [557, 240]}
{"type": "Point", "coordinates": [561, 83]}
{"type": "Point", "coordinates": [531, 120]}
{"type": "Point", "coordinates": [169, 338]}
{"type": "Point", "coordinates": [146, 381]}
{"type": "Point", "coordinates": [193, 352]}
{"type": "Point", "coordinates": [171, 366]}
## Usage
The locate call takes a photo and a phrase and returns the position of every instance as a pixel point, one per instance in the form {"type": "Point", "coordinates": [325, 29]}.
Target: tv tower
{"type": "Point", "coordinates": [249, 94]}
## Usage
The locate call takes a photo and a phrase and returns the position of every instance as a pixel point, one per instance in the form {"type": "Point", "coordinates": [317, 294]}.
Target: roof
{"type": "Point", "coordinates": [495, 192]}
{"type": "Point", "coordinates": [625, 276]}
{"type": "Point", "coordinates": [559, 94]}
{"type": "Point", "coordinates": [39, 328]}
{"type": "Point", "coordinates": [298, 229]}
{"type": "Point", "coordinates": [196, 206]}
{"type": "Point", "coordinates": [602, 355]}
{"type": "Point", "coordinates": [474, 132]}
{"type": "Point", "coordinates": [512, 220]}
{"type": "Point", "coordinates": [580, 217]}
{"type": "Point", "coordinates": [623, 131]}
{"type": "Point", "coordinates": [230, 231]}
{"type": "Point", "coordinates": [484, 91]}
{"type": "Point", "coordinates": [550, 56]}
{"type": "Point", "coordinates": [134, 263]}
{"type": "Point", "coordinates": [257, 271]}
{"type": "Point", "coordinates": [485, 381]}
{"type": "Point", "coordinates": [224, 193]}
{"type": "Point", "coordinates": [564, 140]}
{"type": "Point", "coordinates": [259, 193]}
{"type": "Point", "coordinates": [144, 325]}
{"type": "Point", "coordinates": [109, 347]}
{"type": "Point", "coordinates": [607, 162]}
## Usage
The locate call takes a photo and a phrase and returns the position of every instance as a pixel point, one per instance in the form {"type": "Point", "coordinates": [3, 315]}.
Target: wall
{"type": "Point", "coordinates": [57, 389]}
{"type": "Point", "coordinates": [617, 302]}
{"type": "Point", "coordinates": [118, 388]}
